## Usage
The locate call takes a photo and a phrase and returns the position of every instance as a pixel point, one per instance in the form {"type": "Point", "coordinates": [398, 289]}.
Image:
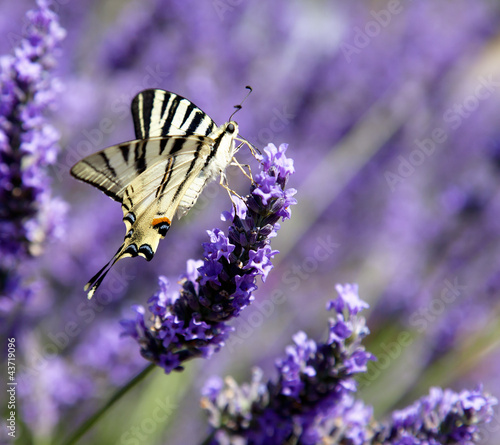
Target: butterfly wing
{"type": "Point", "coordinates": [160, 113]}
{"type": "Point", "coordinates": [111, 170]}
{"type": "Point", "coordinates": [156, 114]}
{"type": "Point", "coordinates": [152, 198]}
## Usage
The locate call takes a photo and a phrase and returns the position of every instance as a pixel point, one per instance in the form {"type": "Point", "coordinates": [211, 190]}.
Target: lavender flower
{"type": "Point", "coordinates": [442, 417]}
{"type": "Point", "coordinates": [315, 384]}
{"type": "Point", "coordinates": [28, 145]}
{"type": "Point", "coordinates": [193, 323]}
{"type": "Point", "coordinates": [312, 400]}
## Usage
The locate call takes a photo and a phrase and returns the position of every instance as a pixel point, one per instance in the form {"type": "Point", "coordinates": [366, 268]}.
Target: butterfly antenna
{"type": "Point", "coordinates": [238, 107]}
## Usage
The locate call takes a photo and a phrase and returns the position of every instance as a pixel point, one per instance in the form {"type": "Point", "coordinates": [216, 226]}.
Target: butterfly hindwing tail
{"type": "Point", "coordinates": [140, 240]}
{"type": "Point", "coordinates": [96, 280]}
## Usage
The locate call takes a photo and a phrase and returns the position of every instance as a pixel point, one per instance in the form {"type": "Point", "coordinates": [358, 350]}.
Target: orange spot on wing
{"type": "Point", "coordinates": [160, 220]}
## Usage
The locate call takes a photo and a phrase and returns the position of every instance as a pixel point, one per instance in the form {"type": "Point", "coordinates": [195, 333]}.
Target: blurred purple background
{"type": "Point", "coordinates": [392, 115]}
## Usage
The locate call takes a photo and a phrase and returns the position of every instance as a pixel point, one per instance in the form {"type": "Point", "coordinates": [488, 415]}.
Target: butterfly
{"type": "Point", "coordinates": [178, 150]}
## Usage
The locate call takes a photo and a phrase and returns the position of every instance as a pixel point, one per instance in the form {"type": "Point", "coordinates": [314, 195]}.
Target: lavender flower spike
{"type": "Point", "coordinates": [443, 416]}
{"type": "Point", "coordinates": [311, 399]}
{"type": "Point", "coordinates": [192, 323]}
{"type": "Point", "coordinates": [28, 145]}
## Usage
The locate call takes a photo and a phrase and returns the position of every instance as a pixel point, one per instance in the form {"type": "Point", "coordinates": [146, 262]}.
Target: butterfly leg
{"type": "Point", "coordinates": [231, 192]}
{"type": "Point", "coordinates": [253, 149]}
{"type": "Point", "coordinates": [240, 166]}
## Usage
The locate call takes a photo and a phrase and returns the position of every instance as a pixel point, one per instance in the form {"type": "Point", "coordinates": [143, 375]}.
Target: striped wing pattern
{"type": "Point", "coordinates": [111, 170]}
{"type": "Point", "coordinates": [159, 113]}
{"type": "Point", "coordinates": [160, 174]}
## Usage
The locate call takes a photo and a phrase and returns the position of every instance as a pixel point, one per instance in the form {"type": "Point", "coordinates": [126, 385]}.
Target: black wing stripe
{"type": "Point", "coordinates": [99, 186]}
{"type": "Point", "coordinates": [191, 167]}
{"type": "Point", "coordinates": [166, 177]}
{"type": "Point", "coordinates": [105, 158]}
{"type": "Point", "coordinates": [213, 151]}
{"type": "Point", "coordinates": [140, 156]}
{"type": "Point", "coordinates": [177, 145]}
{"type": "Point", "coordinates": [171, 115]}
{"type": "Point", "coordinates": [129, 198]}
{"type": "Point", "coordinates": [188, 112]}
{"type": "Point", "coordinates": [163, 144]}
{"type": "Point", "coordinates": [146, 112]}
{"type": "Point", "coordinates": [210, 128]}
{"type": "Point", "coordinates": [194, 124]}
{"type": "Point", "coordinates": [136, 116]}
{"type": "Point", "coordinates": [103, 173]}
{"type": "Point", "coordinates": [125, 151]}
{"type": "Point", "coordinates": [163, 109]}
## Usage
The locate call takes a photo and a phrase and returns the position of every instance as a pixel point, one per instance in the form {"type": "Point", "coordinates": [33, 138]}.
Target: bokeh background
{"type": "Point", "coordinates": [391, 110]}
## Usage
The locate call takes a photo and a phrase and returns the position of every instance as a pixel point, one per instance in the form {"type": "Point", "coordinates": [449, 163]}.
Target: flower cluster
{"type": "Point", "coordinates": [314, 385]}
{"type": "Point", "coordinates": [28, 145]}
{"type": "Point", "coordinates": [441, 417]}
{"type": "Point", "coordinates": [312, 400]}
{"type": "Point", "coordinates": [192, 323]}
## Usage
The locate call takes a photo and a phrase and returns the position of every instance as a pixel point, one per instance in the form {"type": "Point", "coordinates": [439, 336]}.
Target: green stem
{"type": "Point", "coordinates": [85, 426]}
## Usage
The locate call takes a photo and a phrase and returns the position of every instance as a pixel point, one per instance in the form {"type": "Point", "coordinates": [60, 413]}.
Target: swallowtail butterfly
{"type": "Point", "coordinates": [178, 149]}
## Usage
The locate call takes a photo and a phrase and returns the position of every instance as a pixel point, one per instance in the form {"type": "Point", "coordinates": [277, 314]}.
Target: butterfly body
{"type": "Point", "coordinates": [160, 175]}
